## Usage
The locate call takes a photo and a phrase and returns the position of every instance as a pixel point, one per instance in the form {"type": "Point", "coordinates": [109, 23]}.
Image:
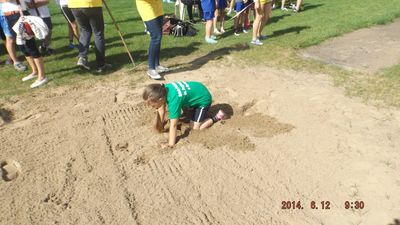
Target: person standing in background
{"type": "Point", "coordinates": [9, 39]}
{"type": "Point", "coordinates": [151, 12]}
{"type": "Point", "coordinates": [208, 7]}
{"type": "Point", "coordinates": [39, 8]}
{"type": "Point", "coordinates": [89, 15]}
{"type": "Point", "coordinates": [13, 10]}
{"type": "Point", "coordinates": [72, 26]}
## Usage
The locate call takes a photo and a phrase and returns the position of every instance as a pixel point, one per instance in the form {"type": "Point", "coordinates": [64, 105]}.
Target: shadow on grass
{"type": "Point", "coordinates": [127, 20]}
{"type": "Point", "coordinates": [275, 19]}
{"type": "Point", "coordinates": [122, 58]}
{"type": "Point", "coordinates": [213, 55]}
{"type": "Point", "coordinates": [295, 29]}
{"type": "Point", "coordinates": [125, 36]}
{"type": "Point", "coordinates": [116, 60]}
{"type": "Point", "coordinates": [307, 6]}
{"type": "Point", "coordinates": [179, 51]}
{"type": "Point", "coordinates": [6, 115]}
{"type": "Point", "coordinates": [73, 70]}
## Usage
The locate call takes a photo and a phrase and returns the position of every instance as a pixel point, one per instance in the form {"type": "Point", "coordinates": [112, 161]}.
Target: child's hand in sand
{"type": "Point", "coordinates": [165, 146]}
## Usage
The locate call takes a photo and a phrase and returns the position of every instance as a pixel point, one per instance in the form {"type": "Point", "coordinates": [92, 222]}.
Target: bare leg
{"type": "Point", "coordinates": [31, 63]}
{"type": "Point", "coordinates": [222, 20]}
{"type": "Point", "coordinates": [283, 4]}
{"type": "Point", "coordinates": [267, 14]}
{"type": "Point", "coordinates": [257, 22]}
{"type": "Point", "coordinates": [70, 34]}
{"type": "Point", "coordinates": [209, 25]}
{"type": "Point", "coordinates": [10, 45]}
{"type": "Point", "coordinates": [215, 20]}
{"type": "Point", "coordinates": [40, 67]}
{"type": "Point", "coordinates": [298, 5]}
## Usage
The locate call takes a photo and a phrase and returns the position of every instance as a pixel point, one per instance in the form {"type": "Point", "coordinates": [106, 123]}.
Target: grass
{"type": "Point", "coordinates": [288, 32]}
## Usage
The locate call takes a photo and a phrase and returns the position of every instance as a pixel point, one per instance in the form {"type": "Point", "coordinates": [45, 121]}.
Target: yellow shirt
{"type": "Point", "coordinates": [263, 2]}
{"type": "Point", "coordinates": [149, 9]}
{"type": "Point", "coordinates": [84, 3]}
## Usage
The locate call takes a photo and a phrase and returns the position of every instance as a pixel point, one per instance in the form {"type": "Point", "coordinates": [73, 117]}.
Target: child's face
{"type": "Point", "coordinates": [155, 103]}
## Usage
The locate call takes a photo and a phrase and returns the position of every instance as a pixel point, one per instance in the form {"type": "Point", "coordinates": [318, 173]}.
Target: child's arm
{"type": "Point", "coordinates": [160, 119]}
{"type": "Point", "coordinates": [172, 132]}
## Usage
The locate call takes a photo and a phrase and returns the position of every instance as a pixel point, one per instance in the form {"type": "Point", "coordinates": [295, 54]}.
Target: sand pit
{"type": "Point", "coordinates": [90, 155]}
{"type": "Point", "coordinates": [367, 50]}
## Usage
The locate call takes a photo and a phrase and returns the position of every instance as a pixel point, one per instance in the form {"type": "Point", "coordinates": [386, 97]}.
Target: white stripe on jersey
{"type": "Point", "coordinates": [183, 88]}
{"type": "Point", "coordinates": [186, 84]}
{"type": "Point", "coordinates": [177, 89]}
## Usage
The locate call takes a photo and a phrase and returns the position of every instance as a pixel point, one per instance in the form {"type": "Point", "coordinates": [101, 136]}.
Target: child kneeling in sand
{"type": "Point", "coordinates": [175, 96]}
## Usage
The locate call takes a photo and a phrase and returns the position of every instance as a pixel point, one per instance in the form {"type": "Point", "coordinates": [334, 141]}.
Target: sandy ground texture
{"type": "Point", "coordinates": [366, 50]}
{"type": "Point", "coordinates": [88, 155]}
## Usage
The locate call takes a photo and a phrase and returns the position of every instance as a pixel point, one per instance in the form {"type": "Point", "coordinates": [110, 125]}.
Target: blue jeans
{"type": "Point", "coordinates": [154, 26]}
{"type": "Point", "coordinates": [90, 21]}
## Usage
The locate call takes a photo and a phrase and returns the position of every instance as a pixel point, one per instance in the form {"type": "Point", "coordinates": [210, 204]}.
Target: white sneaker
{"type": "Point", "coordinates": [29, 77]}
{"type": "Point", "coordinates": [19, 66]}
{"type": "Point", "coordinates": [39, 83]}
{"type": "Point", "coordinates": [217, 32]}
{"type": "Point", "coordinates": [83, 63]}
{"type": "Point", "coordinates": [162, 69]}
{"type": "Point", "coordinates": [256, 42]}
{"type": "Point", "coordinates": [153, 74]}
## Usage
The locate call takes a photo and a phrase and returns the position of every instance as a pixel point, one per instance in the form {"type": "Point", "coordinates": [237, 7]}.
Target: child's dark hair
{"type": "Point", "coordinates": [154, 92]}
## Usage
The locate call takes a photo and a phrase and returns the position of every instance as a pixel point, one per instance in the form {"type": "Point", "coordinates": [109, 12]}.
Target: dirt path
{"type": "Point", "coordinates": [89, 156]}
{"type": "Point", "coordinates": [367, 50]}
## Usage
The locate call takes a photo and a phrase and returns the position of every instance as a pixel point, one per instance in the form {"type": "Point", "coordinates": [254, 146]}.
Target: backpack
{"type": "Point", "coordinates": [169, 22]}
{"type": "Point", "coordinates": [183, 29]}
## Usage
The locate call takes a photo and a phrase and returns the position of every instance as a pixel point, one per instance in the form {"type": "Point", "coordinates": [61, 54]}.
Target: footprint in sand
{"type": "Point", "coordinates": [9, 169]}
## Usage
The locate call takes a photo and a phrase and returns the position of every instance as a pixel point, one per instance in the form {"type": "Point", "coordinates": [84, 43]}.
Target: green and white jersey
{"type": "Point", "coordinates": [182, 94]}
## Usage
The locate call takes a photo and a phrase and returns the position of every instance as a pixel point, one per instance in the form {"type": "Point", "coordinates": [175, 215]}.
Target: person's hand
{"type": "Point", "coordinates": [165, 146]}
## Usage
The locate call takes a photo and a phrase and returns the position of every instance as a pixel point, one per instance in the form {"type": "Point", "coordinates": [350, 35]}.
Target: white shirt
{"type": "Point", "coordinates": [12, 6]}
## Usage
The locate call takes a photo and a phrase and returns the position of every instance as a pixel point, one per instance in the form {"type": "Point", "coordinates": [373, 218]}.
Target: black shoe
{"type": "Point", "coordinates": [45, 50]}
{"type": "Point", "coordinates": [49, 51]}
{"type": "Point", "coordinates": [104, 68]}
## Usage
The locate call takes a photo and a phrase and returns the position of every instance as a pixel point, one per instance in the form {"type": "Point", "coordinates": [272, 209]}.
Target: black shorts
{"type": "Point", "coordinates": [200, 114]}
{"type": "Point", "coordinates": [68, 14]}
